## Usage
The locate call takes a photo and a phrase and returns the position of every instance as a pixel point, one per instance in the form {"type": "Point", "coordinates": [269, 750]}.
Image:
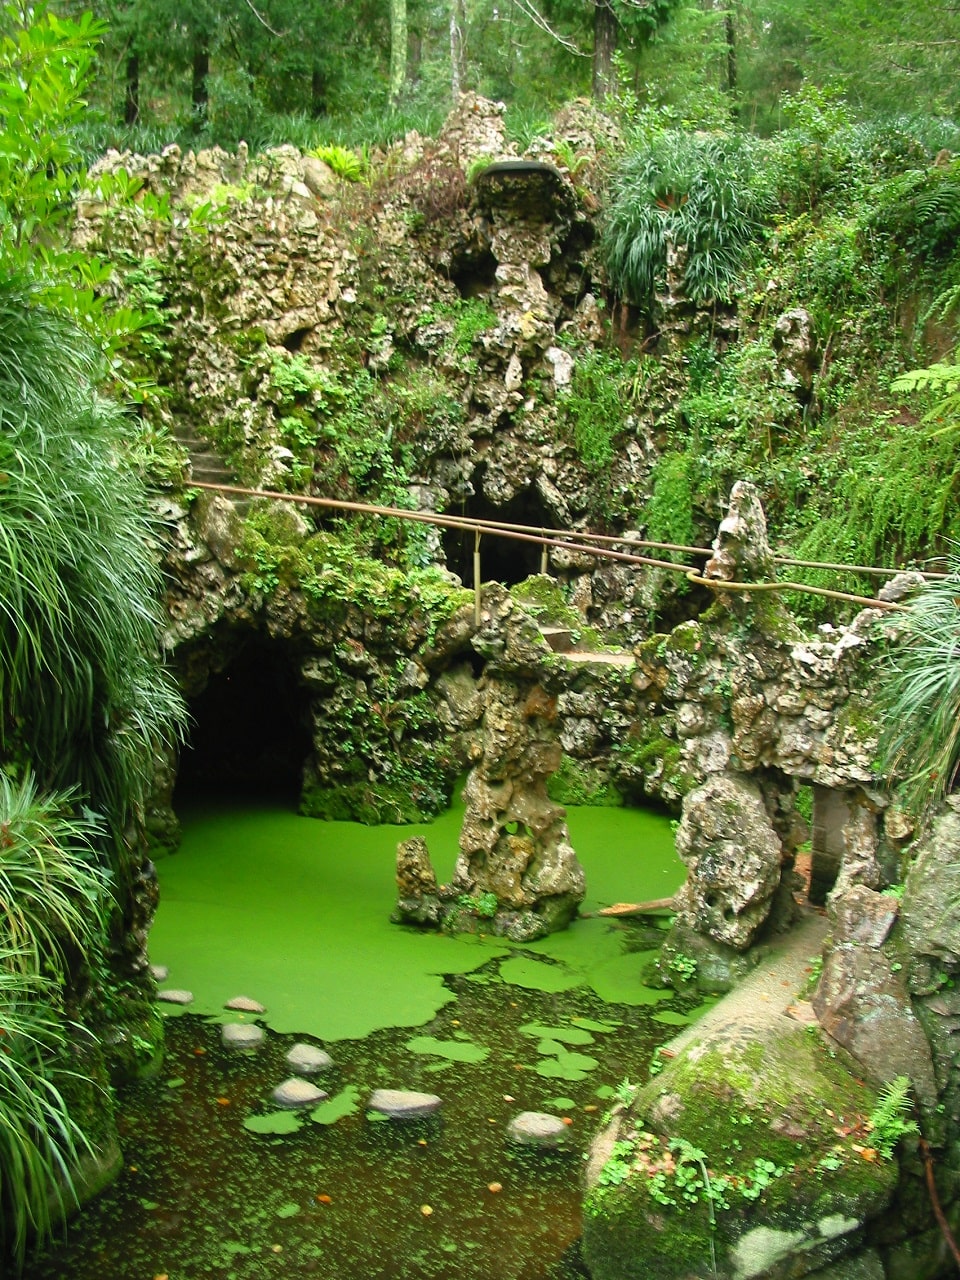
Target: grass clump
{"type": "Point", "coordinates": [688, 192]}
{"type": "Point", "coordinates": [54, 904]}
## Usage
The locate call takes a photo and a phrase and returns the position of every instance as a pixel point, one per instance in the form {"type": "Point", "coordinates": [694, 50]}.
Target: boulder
{"type": "Point", "coordinates": [241, 1035]}
{"type": "Point", "coordinates": [733, 857]}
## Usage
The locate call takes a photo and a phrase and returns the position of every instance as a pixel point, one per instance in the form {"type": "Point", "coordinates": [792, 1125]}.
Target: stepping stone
{"type": "Point", "coordinates": [537, 1129]}
{"type": "Point", "coordinates": [403, 1104]}
{"type": "Point", "coordinates": [295, 1093]}
{"type": "Point", "coordinates": [307, 1059]}
{"type": "Point", "coordinates": [243, 1004]}
{"type": "Point", "coordinates": [241, 1035]}
{"type": "Point", "coordinates": [173, 996]}
{"type": "Point", "coordinates": [159, 972]}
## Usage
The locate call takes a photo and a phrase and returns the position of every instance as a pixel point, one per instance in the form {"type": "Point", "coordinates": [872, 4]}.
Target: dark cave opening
{"type": "Point", "coordinates": [474, 275]}
{"type": "Point", "coordinates": [249, 733]}
{"type": "Point", "coordinates": [506, 560]}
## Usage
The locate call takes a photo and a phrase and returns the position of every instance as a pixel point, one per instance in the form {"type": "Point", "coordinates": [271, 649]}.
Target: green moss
{"type": "Point", "coordinates": [578, 782]}
{"type": "Point", "coordinates": [650, 763]}
{"type": "Point", "coordinates": [372, 803]}
{"type": "Point", "coordinates": [543, 597]}
{"type": "Point", "coordinates": [686, 638]}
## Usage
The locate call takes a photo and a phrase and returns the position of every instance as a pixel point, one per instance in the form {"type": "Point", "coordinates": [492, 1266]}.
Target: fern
{"type": "Point", "coordinates": [342, 161]}
{"type": "Point", "coordinates": [889, 1120]}
{"type": "Point", "coordinates": [942, 379]}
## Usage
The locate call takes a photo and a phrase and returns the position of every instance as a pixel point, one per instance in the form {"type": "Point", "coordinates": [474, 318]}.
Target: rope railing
{"type": "Point", "coordinates": [600, 546]}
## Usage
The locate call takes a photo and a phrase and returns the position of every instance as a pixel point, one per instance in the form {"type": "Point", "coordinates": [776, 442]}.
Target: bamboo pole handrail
{"type": "Point", "coordinates": [521, 533]}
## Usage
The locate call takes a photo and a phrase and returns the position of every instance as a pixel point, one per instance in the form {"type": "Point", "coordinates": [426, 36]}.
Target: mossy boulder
{"type": "Point", "coordinates": [748, 1158]}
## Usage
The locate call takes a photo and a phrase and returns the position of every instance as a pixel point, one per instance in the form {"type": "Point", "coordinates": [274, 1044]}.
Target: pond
{"type": "Point", "coordinates": [295, 913]}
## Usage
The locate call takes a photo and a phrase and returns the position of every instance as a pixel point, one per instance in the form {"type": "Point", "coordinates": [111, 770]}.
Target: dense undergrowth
{"type": "Point", "coordinates": [858, 230]}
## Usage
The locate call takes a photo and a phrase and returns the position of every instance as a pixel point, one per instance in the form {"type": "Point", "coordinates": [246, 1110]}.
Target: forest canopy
{"type": "Point", "coordinates": [358, 70]}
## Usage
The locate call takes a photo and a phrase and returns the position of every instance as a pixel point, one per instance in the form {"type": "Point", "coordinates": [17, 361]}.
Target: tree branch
{"type": "Point", "coordinates": [262, 20]}
{"type": "Point", "coordinates": [534, 14]}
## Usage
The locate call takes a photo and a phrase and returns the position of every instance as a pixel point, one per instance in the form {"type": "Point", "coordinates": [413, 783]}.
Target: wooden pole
{"type": "Point", "coordinates": [476, 578]}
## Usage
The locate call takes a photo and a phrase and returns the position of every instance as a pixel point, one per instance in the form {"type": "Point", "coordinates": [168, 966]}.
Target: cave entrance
{"type": "Point", "coordinates": [505, 560]}
{"type": "Point", "coordinates": [249, 728]}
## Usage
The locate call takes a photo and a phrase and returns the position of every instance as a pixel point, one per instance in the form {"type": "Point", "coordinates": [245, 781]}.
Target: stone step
{"type": "Point", "coordinates": [559, 639]}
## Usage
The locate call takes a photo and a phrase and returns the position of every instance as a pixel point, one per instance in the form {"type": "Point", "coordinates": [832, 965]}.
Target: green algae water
{"type": "Point", "coordinates": [295, 913]}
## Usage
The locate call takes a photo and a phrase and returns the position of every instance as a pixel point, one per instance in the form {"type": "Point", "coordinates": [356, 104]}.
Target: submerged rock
{"type": "Point", "coordinates": [538, 1129]}
{"type": "Point", "coordinates": [241, 1035]}
{"type": "Point", "coordinates": [296, 1092]}
{"type": "Point", "coordinates": [402, 1104]}
{"type": "Point", "coordinates": [307, 1059]}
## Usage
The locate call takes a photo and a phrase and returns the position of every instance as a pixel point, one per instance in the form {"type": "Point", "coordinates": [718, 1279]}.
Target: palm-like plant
{"type": "Point", "coordinates": [694, 191]}
{"type": "Point", "coordinates": [920, 696]}
{"type": "Point", "coordinates": [81, 688]}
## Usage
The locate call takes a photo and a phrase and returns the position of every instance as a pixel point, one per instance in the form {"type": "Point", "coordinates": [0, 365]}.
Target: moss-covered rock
{"type": "Point", "coordinates": [750, 1156]}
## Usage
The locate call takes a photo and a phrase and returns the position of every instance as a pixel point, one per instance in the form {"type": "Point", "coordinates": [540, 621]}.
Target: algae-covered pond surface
{"type": "Point", "coordinates": [295, 913]}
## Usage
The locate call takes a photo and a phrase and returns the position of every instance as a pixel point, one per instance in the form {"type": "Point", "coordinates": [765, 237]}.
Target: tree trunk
{"type": "Point", "coordinates": [604, 47]}
{"type": "Point", "coordinates": [318, 93]}
{"type": "Point", "coordinates": [199, 95]}
{"type": "Point", "coordinates": [131, 97]}
{"type": "Point", "coordinates": [730, 33]}
{"type": "Point", "coordinates": [458, 22]}
{"type": "Point", "coordinates": [398, 47]}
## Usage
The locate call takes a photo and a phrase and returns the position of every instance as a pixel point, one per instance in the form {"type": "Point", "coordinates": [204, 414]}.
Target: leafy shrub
{"type": "Point", "coordinates": [81, 684]}
{"type": "Point", "coordinates": [595, 405]}
{"type": "Point", "coordinates": [695, 192]}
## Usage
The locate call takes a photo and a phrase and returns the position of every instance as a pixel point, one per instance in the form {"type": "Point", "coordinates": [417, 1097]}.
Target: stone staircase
{"type": "Point", "coordinates": [207, 466]}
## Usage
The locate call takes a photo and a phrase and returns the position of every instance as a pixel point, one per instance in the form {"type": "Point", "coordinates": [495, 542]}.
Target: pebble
{"type": "Point", "coordinates": [403, 1104]}
{"type": "Point", "coordinates": [307, 1059]}
{"type": "Point", "coordinates": [173, 996]}
{"type": "Point", "coordinates": [159, 972]}
{"type": "Point", "coordinates": [537, 1129]}
{"type": "Point", "coordinates": [241, 1035]}
{"type": "Point", "coordinates": [296, 1092]}
{"type": "Point", "coordinates": [243, 1004]}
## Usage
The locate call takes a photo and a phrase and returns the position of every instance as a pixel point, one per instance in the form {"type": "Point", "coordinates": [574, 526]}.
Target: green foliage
{"type": "Point", "coordinates": [670, 512]}
{"type": "Point", "coordinates": [44, 65]}
{"type": "Point", "coordinates": [919, 703]}
{"type": "Point", "coordinates": [53, 897]}
{"type": "Point", "coordinates": [595, 405]}
{"type": "Point", "coordinates": [80, 684]}
{"type": "Point", "coordinates": [684, 966]}
{"type": "Point", "coordinates": [53, 909]}
{"type": "Point", "coordinates": [889, 1121]}
{"type": "Point", "coordinates": [887, 495]}
{"type": "Point", "coordinates": [942, 380]}
{"type": "Point", "coordinates": [690, 192]}
{"type": "Point", "coordinates": [579, 782]}
{"type": "Point", "coordinates": [483, 905]}
{"type": "Point", "coordinates": [342, 161]}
